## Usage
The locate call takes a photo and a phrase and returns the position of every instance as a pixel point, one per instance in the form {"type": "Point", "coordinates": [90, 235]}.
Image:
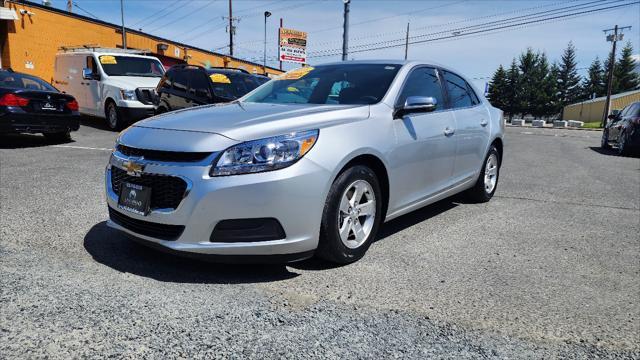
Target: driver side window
{"type": "Point", "coordinates": [422, 82]}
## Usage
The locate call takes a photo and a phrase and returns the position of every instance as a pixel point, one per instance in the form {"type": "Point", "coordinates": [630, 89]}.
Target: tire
{"type": "Point", "coordinates": [487, 182]}
{"type": "Point", "coordinates": [604, 142]}
{"type": "Point", "coordinates": [339, 212]}
{"type": "Point", "coordinates": [623, 148]}
{"type": "Point", "coordinates": [58, 137]}
{"type": "Point", "coordinates": [161, 110]}
{"type": "Point", "coordinates": [113, 117]}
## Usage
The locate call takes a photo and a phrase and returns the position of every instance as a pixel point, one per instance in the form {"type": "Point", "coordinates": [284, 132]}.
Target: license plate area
{"type": "Point", "coordinates": [134, 198]}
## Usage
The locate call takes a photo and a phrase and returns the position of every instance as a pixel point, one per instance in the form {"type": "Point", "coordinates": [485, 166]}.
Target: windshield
{"type": "Point", "coordinates": [130, 66]}
{"type": "Point", "coordinates": [329, 84]}
{"type": "Point", "coordinates": [23, 81]}
{"type": "Point", "coordinates": [232, 85]}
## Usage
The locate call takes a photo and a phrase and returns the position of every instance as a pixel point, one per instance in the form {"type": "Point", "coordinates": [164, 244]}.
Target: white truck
{"type": "Point", "coordinates": [115, 84]}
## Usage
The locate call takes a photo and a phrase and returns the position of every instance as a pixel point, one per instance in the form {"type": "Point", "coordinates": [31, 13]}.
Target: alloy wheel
{"type": "Point", "coordinates": [112, 117]}
{"type": "Point", "coordinates": [491, 173]}
{"type": "Point", "coordinates": [357, 214]}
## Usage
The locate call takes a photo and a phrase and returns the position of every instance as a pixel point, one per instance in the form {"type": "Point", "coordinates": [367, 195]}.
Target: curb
{"type": "Point", "coordinates": [551, 128]}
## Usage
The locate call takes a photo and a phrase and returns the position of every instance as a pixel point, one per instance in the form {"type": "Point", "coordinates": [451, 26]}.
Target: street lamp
{"type": "Point", "coordinates": [264, 58]}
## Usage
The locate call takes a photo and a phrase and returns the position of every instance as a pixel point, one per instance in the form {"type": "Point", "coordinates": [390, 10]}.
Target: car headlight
{"type": "Point", "coordinates": [265, 154]}
{"type": "Point", "coordinates": [128, 94]}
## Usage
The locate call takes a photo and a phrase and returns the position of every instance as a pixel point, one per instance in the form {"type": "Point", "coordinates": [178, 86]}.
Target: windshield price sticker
{"type": "Point", "coordinates": [108, 60]}
{"type": "Point", "coordinates": [219, 78]}
{"type": "Point", "coordinates": [296, 74]}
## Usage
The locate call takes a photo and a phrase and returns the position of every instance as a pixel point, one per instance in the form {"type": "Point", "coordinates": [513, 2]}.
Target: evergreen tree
{"type": "Point", "coordinates": [555, 104]}
{"type": "Point", "coordinates": [596, 81]}
{"type": "Point", "coordinates": [511, 94]}
{"type": "Point", "coordinates": [542, 90]}
{"type": "Point", "coordinates": [624, 72]}
{"type": "Point", "coordinates": [526, 67]}
{"type": "Point", "coordinates": [568, 78]}
{"type": "Point", "coordinates": [498, 89]}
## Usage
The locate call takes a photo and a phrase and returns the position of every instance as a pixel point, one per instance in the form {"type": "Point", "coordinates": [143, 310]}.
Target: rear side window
{"type": "Point", "coordinates": [23, 81]}
{"type": "Point", "coordinates": [460, 93]}
{"type": "Point", "coordinates": [422, 82]}
{"type": "Point", "coordinates": [199, 84]}
{"type": "Point", "coordinates": [180, 81]}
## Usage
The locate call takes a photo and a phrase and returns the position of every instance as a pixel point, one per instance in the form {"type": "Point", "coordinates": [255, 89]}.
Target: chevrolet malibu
{"type": "Point", "coordinates": [309, 163]}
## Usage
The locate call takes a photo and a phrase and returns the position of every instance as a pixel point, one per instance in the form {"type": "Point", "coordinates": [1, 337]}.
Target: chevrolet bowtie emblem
{"type": "Point", "coordinates": [133, 168]}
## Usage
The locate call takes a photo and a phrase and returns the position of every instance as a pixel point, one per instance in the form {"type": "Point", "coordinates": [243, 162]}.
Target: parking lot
{"type": "Point", "coordinates": [549, 268]}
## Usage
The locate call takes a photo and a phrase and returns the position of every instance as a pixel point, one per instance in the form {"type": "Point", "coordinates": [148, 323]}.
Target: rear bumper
{"type": "Point", "coordinates": [35, 123]}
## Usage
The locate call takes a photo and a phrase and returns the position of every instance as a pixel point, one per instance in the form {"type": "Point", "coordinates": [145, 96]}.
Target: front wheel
{"type": "Point", "coordinates": [351, 216]}
{"type": "Point", "coordinates": [623, 148]}
{"type": "Point", "coordinates": [114, 119]}
{"type": "Point", "coordinates": [487, 181]}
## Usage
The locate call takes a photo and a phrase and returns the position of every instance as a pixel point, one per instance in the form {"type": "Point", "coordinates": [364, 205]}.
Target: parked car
{"type": "Point", "coordinates": [29, 104]}
{"type": "Point", "coordinates": [623, 130]}
{"type": "Point", "coordinates": [113, 84]}
{"type": "Point", "coordinates": [185, 86]}
{"type": "Point", "coordinates": [289, 171]}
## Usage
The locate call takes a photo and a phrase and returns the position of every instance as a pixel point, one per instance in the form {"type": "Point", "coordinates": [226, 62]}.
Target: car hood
{"type": "Point", "coordinates": [249, 121]}
{"type": "Point", "coordinates": [133, 82]}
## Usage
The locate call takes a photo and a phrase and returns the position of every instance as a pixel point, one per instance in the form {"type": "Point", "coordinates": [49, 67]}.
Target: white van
{"type": "Point", "coordinates": [115, 84]}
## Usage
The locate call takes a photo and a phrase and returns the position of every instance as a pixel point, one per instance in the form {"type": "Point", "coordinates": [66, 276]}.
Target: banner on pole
{"type": "Point", "coordinates": [293, 46]}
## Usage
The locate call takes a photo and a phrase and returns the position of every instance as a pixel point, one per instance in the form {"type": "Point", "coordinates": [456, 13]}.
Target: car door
{"type": "Point", "coordinates": [616, 124]}
{"type": "Point", "coordinates": [93, 100]}
{"type": "Point", "coordinates": [199, 88]}
{"type": "Point", "coordinates": [472, 126]}
{"type": "Point", "coordinates": [423, 158]}
{"type": "Point", "coordinates": [180, 85]}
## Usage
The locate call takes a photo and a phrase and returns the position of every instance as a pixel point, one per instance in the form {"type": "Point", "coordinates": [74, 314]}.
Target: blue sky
{"type": "Point", "coordinates": [200, 23]}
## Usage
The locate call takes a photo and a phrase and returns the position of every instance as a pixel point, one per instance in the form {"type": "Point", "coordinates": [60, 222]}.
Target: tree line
{"type": "Point", "coordinates": [533, 86]}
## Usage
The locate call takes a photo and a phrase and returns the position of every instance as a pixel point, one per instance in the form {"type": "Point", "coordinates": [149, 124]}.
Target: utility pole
{"type": "Point", "coordinates": [124, 33]}
{"type": "Point", "coordinates": [345, 31]}
{"type": "Point", "coordinates": [264, 56]}
{"type": "Point", "coordinates": [279, 43]}
{"type": "Point", "coordinates": [231, 29]}
{"type": "Point", "coordinates": [406, 43]}
{"type": "Point", "coordinates": [70, 5]}
{"type": "Point", "coordinates": [614, 38]}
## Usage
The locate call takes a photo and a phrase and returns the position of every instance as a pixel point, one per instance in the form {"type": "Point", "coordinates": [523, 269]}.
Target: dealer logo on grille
{"type": "Point", "coordinates": [132, 167]}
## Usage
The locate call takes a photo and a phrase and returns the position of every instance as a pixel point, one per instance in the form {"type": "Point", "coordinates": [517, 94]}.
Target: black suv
{"type": "Point", "coordinates": [185, 85]}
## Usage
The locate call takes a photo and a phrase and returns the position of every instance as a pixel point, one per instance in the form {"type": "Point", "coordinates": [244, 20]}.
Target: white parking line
{"type": "Point", "coordinates": [82, 147]}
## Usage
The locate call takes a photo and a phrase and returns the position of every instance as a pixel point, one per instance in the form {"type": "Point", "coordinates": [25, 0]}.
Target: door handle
{"type": "Point", "coordinates": [484, 122]}
{"type": "Point", "coordinates": [448, 131]}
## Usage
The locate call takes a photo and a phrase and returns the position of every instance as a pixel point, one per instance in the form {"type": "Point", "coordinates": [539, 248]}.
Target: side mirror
{"type": "Point", "coordinates": [416, 104]}
{"type": "Point", "coordinates": [612, 116]}
{"type": "Point", "coordinates": [87, 74]}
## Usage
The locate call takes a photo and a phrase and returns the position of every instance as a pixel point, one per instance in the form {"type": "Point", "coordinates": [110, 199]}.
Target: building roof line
{"type": "Point", "coordinates": [129, 30]}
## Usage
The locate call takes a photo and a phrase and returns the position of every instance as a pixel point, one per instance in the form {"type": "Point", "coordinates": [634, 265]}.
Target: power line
{"type": "Point", "coordinates": [207, 4]}
{"type": "Point", "coordinates": [155, 13]}
{"type": "Point", "coordinates": [85, 11]}
{"type": "Point", "coordinates": [459, 35]}
{"type": "Point", "coordinates": [163, 16]}
{"type": "Point", "coordinates": [458, 31]}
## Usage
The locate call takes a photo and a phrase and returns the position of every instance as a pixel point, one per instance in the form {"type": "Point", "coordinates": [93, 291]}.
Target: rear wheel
{"type": "Point", "coordinates": [114, 118]}
{"type": "Point", "coordinates": [604, 142]}
{"type": "Point", "coordinates": [58, 137]}
{"type": "Point", "coordinates": [487, 182]}
{"type": "Point", "coordinates": [351, 217]}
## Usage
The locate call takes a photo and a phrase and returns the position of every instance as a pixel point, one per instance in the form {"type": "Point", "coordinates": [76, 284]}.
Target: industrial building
{"type": "Point", "coordinates": [31, 34]}
{"type": "Point", "coordinates": [593, 110]}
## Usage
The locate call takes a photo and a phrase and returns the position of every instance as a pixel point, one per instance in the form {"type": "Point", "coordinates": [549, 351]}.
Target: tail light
{"type": "Point", "coordinates": [72, 105]}
{"type": "Point", "coordinates": [13, 100]}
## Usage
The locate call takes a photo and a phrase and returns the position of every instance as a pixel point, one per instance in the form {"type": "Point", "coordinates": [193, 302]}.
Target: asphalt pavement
{"type": "Point", "coordinates": [549, 268]}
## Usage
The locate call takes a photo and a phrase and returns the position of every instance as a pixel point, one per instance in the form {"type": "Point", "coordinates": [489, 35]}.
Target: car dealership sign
{"type": "Point", "coordinates": [293, 46]}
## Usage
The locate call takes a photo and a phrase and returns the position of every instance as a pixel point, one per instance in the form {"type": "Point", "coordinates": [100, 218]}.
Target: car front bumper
{"type": "Point", "coordinates": [294, 196]}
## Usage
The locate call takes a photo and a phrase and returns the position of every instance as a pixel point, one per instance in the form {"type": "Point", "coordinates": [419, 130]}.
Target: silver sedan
{"type": "Point", "coordinates": [311, 162]}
